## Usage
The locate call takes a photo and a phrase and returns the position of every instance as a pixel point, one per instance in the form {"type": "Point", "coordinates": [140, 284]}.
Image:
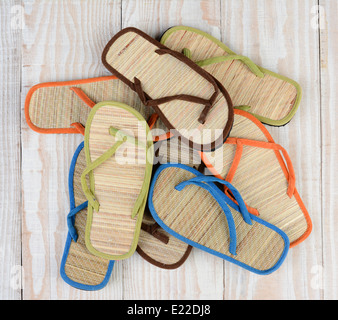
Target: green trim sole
{"type": "Point", "coordinates": [142, 199]}
{"type": "Point", "coordinates": [265, 120]}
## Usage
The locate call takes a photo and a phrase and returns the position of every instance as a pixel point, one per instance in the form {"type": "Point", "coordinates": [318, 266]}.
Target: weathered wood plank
{"type": "Point", "coordinates": [278, 36]}
{"type": "Point", "coordinates": [63, 40]}
{"type": "Point", "coordinates": [10, 172]}
{"type": "Point", "coordinates": [328, 10]}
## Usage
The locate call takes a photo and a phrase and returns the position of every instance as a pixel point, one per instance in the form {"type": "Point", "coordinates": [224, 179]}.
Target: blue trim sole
{"type": "Point", "coordinates": [69, 237]}
{"type": "Point", "coordinates": [199, 246]}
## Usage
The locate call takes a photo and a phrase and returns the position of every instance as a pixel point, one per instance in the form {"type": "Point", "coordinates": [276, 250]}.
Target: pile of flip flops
{"type": "Point", "coordinates": [175, 156]}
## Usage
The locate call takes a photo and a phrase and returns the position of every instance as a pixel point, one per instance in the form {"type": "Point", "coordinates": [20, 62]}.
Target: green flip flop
{"type": "Point", "coordinates": [270, 97]}
{"type": "Point", "coordinates": [119, 154]}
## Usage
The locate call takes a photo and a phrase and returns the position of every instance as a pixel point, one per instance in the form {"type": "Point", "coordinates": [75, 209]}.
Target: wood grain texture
{"type": "Point", "coordinates": [10, 172]}
{"type": "Point", "coordinates": [329, 118]}
{"type": "Point", "coordinates": [278, 36]}
{"type": "Point", "coordinates": [63, 40]}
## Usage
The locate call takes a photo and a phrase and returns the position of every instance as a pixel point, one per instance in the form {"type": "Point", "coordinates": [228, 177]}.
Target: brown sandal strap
{"type": "Point", "coordinates": [156, 102]}
{"type": "Point", "coordinates": [153, 230]}
{"type": "Point", "coordinates": [147, 101]}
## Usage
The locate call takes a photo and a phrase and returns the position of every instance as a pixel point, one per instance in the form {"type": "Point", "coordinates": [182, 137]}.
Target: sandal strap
{"type": "Point", "coordinates": [156, 102]}
{"type": "Point", "coordinates": [230, 57]}
{"type": "Point", "coordinates": [80, 93]}
{"type": "Point", "coordinates": [152, 120]}
{"type": "Point", "coordinates": [208, 103]}
{"type": "Point", "coordinates": [240, 206]}
{"type": "Point", "coordinates": [107, 155]}
{"type": "Point", "coordinates": [207, 184]}
{"type": "Point", "coordinates": [153, 230]}
{"type": "Point", "coordinates": [79, 127]}
{"type": "Point", "coordinates": [71, 220]}
{"type": "Point", "coordinates": [264, 145]}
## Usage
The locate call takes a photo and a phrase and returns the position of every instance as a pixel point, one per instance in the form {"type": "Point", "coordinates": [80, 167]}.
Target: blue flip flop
{"type": "Point", "coordinates": [190, 206]}
{"type": "Point", "coordinates": [80, 268]}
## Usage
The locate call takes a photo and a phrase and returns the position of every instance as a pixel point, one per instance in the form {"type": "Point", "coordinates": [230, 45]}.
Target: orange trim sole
{"type": "Point", "coordinates": [56, 84]}
{"type": "Point", "coordinates": [283, 166]}
{"type": "Point", "coordinates": [162, 137]}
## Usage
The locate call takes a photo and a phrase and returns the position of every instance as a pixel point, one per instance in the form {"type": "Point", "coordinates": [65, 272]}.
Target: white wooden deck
{"type": "Point", "coordinates": [62, 40]}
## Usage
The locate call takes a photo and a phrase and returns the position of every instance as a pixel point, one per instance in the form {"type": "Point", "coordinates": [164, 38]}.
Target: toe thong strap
{"type": "Point", "coordinates": [264, 145]}
{"type": "Point", "coordinates": [122, 138]}
{"type": "Point", "coordinates": [241, 204]}
{"type": "Point", "coordinates": [222, 201]}
{"type": "Point", "coordinates": [230, 57]}
{"type": "Point", "coordinates": [71, 220]}
{"type": "Point", "coordinates": [79, 127]}
{"type": "Point", "coordinates": [153, 230]}
{"type": "Point", "coordinates": [208, 103]}
{"type": "Point", "coordinates": [88, 193]}
{"type": "Point", "coordinates": [80, 93]}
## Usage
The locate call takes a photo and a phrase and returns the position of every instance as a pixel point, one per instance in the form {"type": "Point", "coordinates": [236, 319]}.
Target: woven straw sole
{"type": "Point", "coordinates": [261, 178]}
{"type": "Point", "coordinates": [175, 151]}
{"type": "Point", "coordinates": [118, 183]}
{"type": "Point", "coordinates": [194, 216]}
{"type": "Point", "coordinates": [273, 99]}
{"type": "Point", "coordinates": [79, 267]}
{"type": "Point", "coordinates": [52, 107]}
{"type": "Point", "coordinates": [132, 54]}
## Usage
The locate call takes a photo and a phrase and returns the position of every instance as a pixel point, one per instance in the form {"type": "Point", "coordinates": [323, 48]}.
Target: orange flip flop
{"type": "Point", "coordinates": [263, 173]}
{"type": "Point", "coordinates": [53, 108]}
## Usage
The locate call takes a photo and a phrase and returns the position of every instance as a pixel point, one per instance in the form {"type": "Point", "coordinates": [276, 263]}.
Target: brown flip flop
{"type": "Point", "coordinates": [189, 101]}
